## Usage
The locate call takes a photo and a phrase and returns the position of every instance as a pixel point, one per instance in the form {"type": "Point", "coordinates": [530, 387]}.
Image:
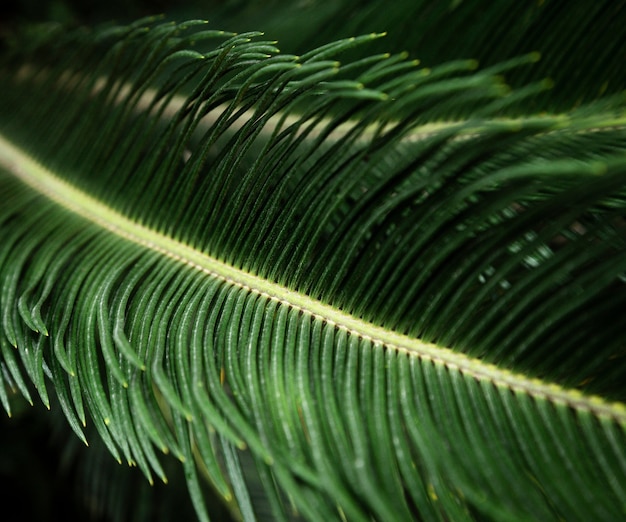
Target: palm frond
{"type": "Point", "coordinates": [361, 284]}
{"type": "Point", "coordinates": [580, 43]}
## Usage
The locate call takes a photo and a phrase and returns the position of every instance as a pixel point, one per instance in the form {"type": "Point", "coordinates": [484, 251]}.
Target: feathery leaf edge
{"type": "Point", "coordinates": [32, 173]}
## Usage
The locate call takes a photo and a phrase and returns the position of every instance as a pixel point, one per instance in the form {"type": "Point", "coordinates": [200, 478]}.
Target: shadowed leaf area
{"type": "Point", "coordinates": [314, 261]}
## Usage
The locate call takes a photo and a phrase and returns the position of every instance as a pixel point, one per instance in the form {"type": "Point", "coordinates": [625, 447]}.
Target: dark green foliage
{"type": "Point", "coordinates": [427, 204]}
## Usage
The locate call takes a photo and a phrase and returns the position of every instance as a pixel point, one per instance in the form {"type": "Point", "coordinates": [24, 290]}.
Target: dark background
{"type": "Point", "coordinates": [581, 42]}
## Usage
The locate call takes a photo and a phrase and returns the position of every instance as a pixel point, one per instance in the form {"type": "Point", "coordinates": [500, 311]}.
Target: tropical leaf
{"type": "Point", "coordinates": [333, 290]}
{"type": "Point", "coordinates": [580, 43]}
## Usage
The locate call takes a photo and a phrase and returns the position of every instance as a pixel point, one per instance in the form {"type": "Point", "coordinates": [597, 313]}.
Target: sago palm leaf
{"type": "Point", "coordinates": [354, 284]}
{"type": "Point", "coordinates": [581, 42]}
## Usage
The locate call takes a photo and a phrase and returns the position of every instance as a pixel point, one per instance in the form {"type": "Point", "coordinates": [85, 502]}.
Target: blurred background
{"type": "Point", "coordinates": [581, 43]}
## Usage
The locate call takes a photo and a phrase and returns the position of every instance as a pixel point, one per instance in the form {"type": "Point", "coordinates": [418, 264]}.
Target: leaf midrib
{"type": "Point", "coordinates": [145, 101]}
{"type": "Point", "coordinates": [32, 173]}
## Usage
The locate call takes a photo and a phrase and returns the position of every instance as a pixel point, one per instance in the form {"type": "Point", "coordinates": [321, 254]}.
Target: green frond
{"type": "Point", "coordinates": [338, 285]}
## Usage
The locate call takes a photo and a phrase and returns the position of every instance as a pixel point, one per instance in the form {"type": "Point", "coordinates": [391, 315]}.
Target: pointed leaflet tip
{"type": "Point", "coordinates": [148, 20]}
{"type": "Point", "coordinates": [599, 168]}
{"type": "Point", "coordinates": [503, 89]}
